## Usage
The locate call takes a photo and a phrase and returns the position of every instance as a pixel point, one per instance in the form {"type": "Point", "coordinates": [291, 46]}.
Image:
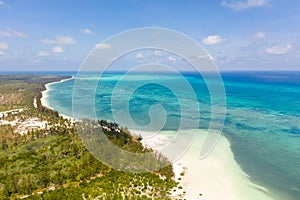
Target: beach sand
{"type": "Point", "coordinates": [45, 92]}
{"type": "Point", "coordinates": [217, 177]}
{"type": "Point", "coordinates": [45, 96]}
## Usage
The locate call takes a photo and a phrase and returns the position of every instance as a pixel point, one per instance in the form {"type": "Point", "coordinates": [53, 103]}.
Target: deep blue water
{"type": "Point", "coordinates": [262, 121]}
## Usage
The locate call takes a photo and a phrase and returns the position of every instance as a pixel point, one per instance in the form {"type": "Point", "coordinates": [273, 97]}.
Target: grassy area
{"type": "Point", "coordinates": [52, 163]}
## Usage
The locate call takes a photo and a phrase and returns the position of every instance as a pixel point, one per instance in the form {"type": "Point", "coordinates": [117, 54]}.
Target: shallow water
{"type": "Point", "coordinates": [262, 123]}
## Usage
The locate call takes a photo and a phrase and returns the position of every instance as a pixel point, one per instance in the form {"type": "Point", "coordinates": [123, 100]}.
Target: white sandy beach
{"type": "Point", "coordinates": [217, 177]}
{"type": "Point", "coordinates": [45, 92]}
{"type": "Point", "coordinates": [45, 96]}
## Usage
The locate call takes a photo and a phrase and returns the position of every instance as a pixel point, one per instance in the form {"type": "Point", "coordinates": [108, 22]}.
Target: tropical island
{"type": "Point", "coordinates": [42, 155]}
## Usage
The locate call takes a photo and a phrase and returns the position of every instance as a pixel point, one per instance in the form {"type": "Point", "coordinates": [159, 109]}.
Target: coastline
{"type": "Point", "coordinates": [178, 169]}
{"type": "Point", "coordinates": [218, 176]}
{"type": "Point", "coordinates": [45, 95]}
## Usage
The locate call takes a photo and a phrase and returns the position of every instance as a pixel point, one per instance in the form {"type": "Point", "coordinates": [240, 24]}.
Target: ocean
{"type": "Point", "coordinates": [262, 119]}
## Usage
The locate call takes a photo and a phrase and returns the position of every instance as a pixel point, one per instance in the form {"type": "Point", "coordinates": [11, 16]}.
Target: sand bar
{"type": "Point", "coordinates": [217, 177]}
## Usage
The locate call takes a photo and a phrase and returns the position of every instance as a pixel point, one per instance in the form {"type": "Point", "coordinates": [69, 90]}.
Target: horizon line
{"type": "Point", "coordinates": [123, 71]}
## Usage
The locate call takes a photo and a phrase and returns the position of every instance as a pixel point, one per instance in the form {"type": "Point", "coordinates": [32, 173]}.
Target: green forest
{"type": "Point", "coordinates": [53, 162]}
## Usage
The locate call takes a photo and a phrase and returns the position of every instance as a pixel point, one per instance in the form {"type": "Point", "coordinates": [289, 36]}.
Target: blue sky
{"type": "Point", "coordinates": [238, 34]}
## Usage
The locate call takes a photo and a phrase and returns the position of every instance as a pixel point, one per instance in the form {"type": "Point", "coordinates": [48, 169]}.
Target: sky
{"type": "Point", "coordinates": [58, 35]}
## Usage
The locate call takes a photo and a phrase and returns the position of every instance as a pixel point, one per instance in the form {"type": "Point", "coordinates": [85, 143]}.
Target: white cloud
{"type": "Point", "coordinates": [210, 57]}
{"type": "Point", "coordinates": [57, 49]}
{"type": "Point", "coordinates": [21, 35]}
{"type": "Point", "coordinates": [43, 54]}
{"type": "Point", "coordinates": [172, 59]}
{"type": "Point", "coordinates": [87, 31]}
{"type": "Point", "coordinates": [240, 5]}
{"type": "Point", "coordinates": [212, 39]}
{"type": "Point", "coordinates": [139, 56]}
{"type": "Point", "coordinates": [1, 53]}
{"type": "Point", "coordinates": [103, 46]}
{"type": "Point", "coordinates": [3, 45]}
{"type": "Point", "coordinates": [8, 32]}
{"type": "Point", "coordinates": [158, 53]}
{"type": "Point", "coordinates": [277, 50]}
{"type": "Point", "coordinates": [259, 35]}
{"type": "Point", "coordinates": [59, 40]}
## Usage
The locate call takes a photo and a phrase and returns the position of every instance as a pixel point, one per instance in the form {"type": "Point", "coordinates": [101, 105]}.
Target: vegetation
{"type": "Point", "coordinates": [53, 163]}
{"type": "Point", "coordinates": [18, 91]}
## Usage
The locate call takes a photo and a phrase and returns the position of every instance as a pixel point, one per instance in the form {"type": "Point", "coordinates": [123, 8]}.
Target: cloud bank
{"type": "Point", "coordinates": [277, 50]}
{"type": "Point", "coordinates": [61, 40]}
{"type": "Point", "coordinates": [212, 39]}
{"type": "Point", "coordinates": [240, 5]}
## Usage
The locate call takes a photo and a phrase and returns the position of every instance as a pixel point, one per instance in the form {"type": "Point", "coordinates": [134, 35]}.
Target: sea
{"type": "Point", "coordinates": [262, 120]}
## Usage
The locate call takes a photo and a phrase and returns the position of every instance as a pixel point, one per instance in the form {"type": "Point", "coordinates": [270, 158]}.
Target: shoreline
{"type": "Point", "coordinates": [45, 96]}
{"type": "Point", "coordinates": [218, 176]}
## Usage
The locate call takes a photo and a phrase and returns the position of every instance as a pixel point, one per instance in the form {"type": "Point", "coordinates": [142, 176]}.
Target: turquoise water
{"type": "Point", "coordinates": [262, 122]}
